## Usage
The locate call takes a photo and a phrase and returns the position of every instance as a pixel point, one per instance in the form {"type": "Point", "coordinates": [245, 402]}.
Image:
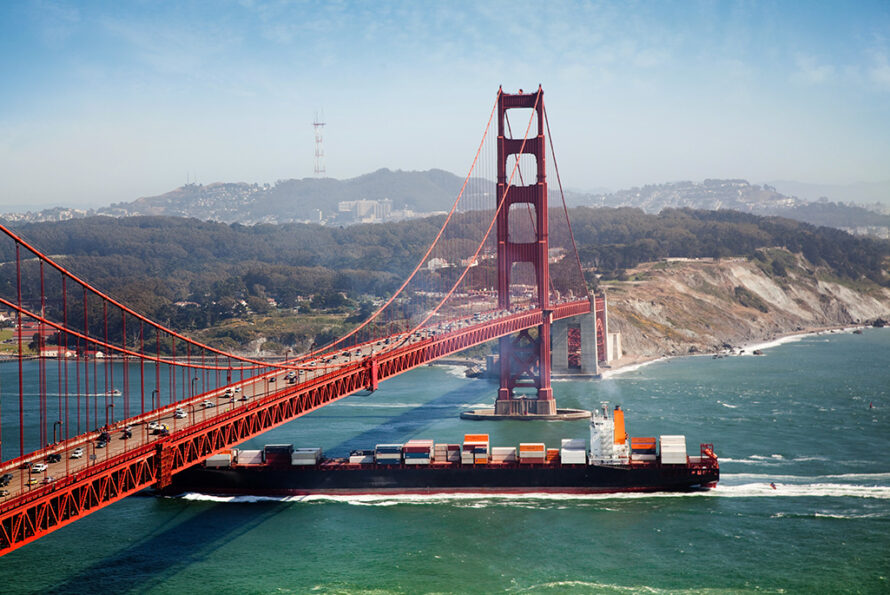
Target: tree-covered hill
{"type": "Point", "coordinates": [152, 263]}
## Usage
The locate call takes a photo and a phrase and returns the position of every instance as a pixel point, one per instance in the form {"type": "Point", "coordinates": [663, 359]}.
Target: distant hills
{"type": "Point", "coordinates": [740, 195]}
{"type": "Point", "coordinates": [416, 193]}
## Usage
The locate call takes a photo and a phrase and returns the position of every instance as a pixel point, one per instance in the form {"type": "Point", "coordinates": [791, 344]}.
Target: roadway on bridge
{"type": "Point", "coordinates": [177, 418]}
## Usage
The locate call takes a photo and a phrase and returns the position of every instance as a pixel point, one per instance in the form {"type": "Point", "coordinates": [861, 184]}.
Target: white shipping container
{"type": "Point", "coordinates": [217, 461]}
{"type": "Point", "coordinates": [573, 457]}
{"type": "Point", "coordinates": [467, 458]}
{"type": "Point", "coordinates": [361, 459]}
{"type": "Point", "coordinates": [250, 457]}
{"type": "Point", "coordinates": [673, 450]}
{"type": "Point", "coordinates": [673, 458]}
{"type": "Point", "coordinates": [303, 462]}
{"type": "Point", "coordinates": [417, 461]}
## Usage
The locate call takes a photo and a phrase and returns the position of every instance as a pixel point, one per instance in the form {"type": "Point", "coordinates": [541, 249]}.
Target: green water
{"type": "Point", "coordinates": [810, 416]}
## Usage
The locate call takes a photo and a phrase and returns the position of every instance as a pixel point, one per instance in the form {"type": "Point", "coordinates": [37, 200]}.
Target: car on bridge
{"type": "Point", "coordinates": [4, 493]}
{"type": "Point", "coordinates": [77, 453]}
{"type": "Point", "coordinates": [5, 479]}
{"type": "Point", "coordinates": [33, 481]}
{"type": "Point", "coordinates": [38, 467]}
{"type": "Point", "coordinates": [207, 404]}
{"type": "Point", "coordinates": [53, 457]}
{"type": "Point", "coordinates": [179, 414]}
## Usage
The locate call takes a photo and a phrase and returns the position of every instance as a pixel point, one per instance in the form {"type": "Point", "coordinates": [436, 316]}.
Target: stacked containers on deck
{"type": "Point", "coordinates": [503, 454]}
{"type": "Point", "coordinates": [277, 454]}
{"type": "Point", "coordinates": [454, 452]}
{"type": "Point", "coordinates": [642, 449]}
{"type": "Point", "coordinates": [447, 453]}
{"type": "Point", "coordinates": [361, 457]}
{"type": "Point", "coordinates": [440, 452]}
{"type": "Point", "coordinates": [388, 454]}
{"type": "Point", "coordinates": [418, 452]}
{"type": "Point", "coordinates": [532, 452]}
{"type": "Point", "coordinates": [477, 445]}
{"type": "Point", "coordinates": [573, 451]}
{"type": "Point", "coordinates": [673, 450]}
{"type": "Point", "coordinates": [552, 455]}
{"type": "Point", "coordinates": [305, 456]}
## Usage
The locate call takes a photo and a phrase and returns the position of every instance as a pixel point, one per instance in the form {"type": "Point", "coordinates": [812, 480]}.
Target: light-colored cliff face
{"type": "Point", "coordinates": [683, 306]}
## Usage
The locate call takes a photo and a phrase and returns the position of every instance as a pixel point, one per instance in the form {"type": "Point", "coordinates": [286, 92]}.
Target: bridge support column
{"type": "Point", "coordinates": [164, 461]}
{"type": "Point", "coordinates": [559, 337]}
{"type": "Point", "coordinates": [589, 343]}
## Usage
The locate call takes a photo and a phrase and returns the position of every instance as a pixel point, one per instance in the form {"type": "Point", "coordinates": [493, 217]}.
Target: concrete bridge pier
{"type": "Point", "coordinates": [589, 347]}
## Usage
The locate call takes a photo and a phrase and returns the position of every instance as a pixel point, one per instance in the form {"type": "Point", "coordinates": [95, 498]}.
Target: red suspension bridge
{"type": "Point", "coordinates": [117, 403]}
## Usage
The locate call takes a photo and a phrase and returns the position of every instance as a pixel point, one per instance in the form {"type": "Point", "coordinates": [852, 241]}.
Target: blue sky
{"type": "Point", "coordinates": [103, 102]}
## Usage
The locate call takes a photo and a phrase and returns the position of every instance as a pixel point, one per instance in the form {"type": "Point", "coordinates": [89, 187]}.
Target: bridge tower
{"type": "Point", "coordinates": [524, 359]}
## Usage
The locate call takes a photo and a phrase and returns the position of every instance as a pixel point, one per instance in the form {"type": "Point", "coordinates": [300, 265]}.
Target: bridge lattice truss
{"type": "Point", "coordinates": [106, 369]}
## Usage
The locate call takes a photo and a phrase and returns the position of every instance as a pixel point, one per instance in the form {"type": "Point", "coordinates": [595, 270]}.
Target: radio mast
{"type": "Point", "coordinates": [319, 150]}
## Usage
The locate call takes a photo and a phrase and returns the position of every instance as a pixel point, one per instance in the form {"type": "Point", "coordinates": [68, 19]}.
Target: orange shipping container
{"type": "Point", "coordinates": [475, 437]}
{"type": "Point", "coordinates": [532, 447]}
{"type": "Point", "coordinates": [642, 443]}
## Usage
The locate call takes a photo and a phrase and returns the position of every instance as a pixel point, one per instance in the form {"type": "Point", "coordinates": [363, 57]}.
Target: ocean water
{"type": "Point", "coordinates": [811, 416]}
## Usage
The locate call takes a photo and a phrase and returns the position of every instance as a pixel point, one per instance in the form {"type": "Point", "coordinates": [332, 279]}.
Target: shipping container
{"type": "Point", "coordinates": [305, 456]}
{"type": "Point", "coordinates": [250, 457]}
{"type": "Point", "coordinates": [673, 450]}
{"type": "Point", "coordinates": [532, 447]}
{"type": "Point", "coordinates": [643, 445]}
{"type": "Point", "coordinates": [476, 438]}
{"type": "Point", "coordinates": [569, 456]}
{"type": "Point", "coordinates": [220, 460]}
{"type": "Point", "coordinates": [278, 448]}
{"type": "Point", "coordinates": [361, 459]}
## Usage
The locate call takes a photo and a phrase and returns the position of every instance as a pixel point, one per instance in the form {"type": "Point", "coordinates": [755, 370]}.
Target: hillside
{"type": "Point", "coordinates": [386, 196]}
{"type": "Point", "coordinates": [682, 306]}
{"type": "Point", "coordinates": [295, 201]}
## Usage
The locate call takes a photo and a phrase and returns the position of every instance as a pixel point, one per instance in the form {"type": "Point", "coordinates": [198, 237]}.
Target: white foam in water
{"type": "Point", "coordinates": [481, 500]}
{"type": "Point", "coordinates": [631, 368]}
{"type": "Point", "coordinates": [459, 371]}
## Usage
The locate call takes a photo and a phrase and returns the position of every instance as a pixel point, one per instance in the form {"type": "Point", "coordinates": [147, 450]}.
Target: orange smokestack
{"type": "Point", "coordinates": [618, 418]}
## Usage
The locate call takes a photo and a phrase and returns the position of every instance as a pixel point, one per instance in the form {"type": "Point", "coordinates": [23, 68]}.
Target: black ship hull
{"type": "Point", "coordinates": [340, 479]}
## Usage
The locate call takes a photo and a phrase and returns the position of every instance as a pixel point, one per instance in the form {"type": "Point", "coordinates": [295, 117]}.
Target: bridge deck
{"type": "Point", "coordinates": [221, 419]}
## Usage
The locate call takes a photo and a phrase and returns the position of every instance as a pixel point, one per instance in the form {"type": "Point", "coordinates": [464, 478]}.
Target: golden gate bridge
{"type": "Point", "coordinates": [116, 403]}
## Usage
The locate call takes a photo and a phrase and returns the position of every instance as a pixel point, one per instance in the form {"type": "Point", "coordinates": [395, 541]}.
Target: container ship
{"type": "Point", "coordinates": [611, 462]}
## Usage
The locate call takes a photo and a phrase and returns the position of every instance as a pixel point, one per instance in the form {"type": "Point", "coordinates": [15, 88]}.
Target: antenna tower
{"type": "Point", "coordinates": [319, 150]}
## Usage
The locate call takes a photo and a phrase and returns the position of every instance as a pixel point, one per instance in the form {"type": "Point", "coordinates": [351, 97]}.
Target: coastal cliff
{"type": "Point", "coordinates": [682, 306]}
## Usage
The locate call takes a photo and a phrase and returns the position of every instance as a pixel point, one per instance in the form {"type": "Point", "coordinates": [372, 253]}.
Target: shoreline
{"type": "Point", "coordinates": [745, 350]}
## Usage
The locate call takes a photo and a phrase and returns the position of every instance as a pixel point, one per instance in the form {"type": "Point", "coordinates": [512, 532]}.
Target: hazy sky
{"type": "Point", "coordinates": [107, 101]}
